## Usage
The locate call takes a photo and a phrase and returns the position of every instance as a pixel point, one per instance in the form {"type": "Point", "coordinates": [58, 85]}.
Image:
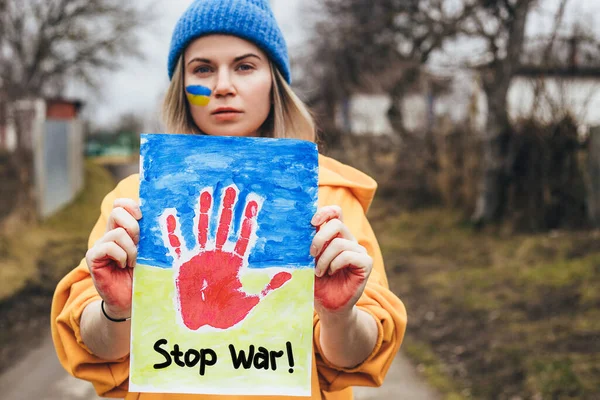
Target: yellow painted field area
{"type": "Point", "coordinates": [284, 315]}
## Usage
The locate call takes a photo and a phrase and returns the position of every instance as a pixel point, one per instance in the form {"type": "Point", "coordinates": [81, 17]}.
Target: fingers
{"type": "Point", "coordinates": [130, 205]}
{"type": "Point", "coordinates": [246, 231]}
{"type": "Point", "coordinates": [276, 282]}
{"type": "Point", "coordinates": [172, 230]}
{"type": "Point", "coordinates": [328, 231]}
{"type": "Point", "coordinates": [325, 214]}
{"type": "Point", "coordinates": [226, 216]}
{"type": "Point", "coordinates": [333, 250]}
{"type": "Point", "coordinates": [205, 205]}
{"type": "Point", "coordinates": [122, 217]}
{"type": "Point", "coordinates": [334, 246]}
{"type": "Point", "coordinates": [124, 241]}
{"type": "Point", "coordinates": [109, 250]}
{"type": "Point", "coordinates": [361, 261]}
{"type": "Point", "coordinates": [121, 237]}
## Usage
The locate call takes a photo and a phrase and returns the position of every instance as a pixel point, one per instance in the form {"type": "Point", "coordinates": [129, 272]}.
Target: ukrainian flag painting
{"type": "Point", "coordinates": [198, 95]}
{"type": "Point", "coordinates": [223, 286]}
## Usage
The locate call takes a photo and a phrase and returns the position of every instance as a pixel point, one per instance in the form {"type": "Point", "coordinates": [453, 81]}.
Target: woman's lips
{"type": "Point", "coordinates": [226, 115]}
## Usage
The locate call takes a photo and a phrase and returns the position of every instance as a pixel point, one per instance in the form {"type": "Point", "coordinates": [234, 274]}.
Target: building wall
{"type": "Point", "coordinates": [368, 113]}
{"type": "Point", "coordinates": [10, 138]}
{"type": "Point", "coordinates": [76, 151]}
{"type": "Point", "coordinates": [55, 171]}
{"type": "Point", "coordinates": [581, 97]}
{"type": "Point", "coordinates": [57, 146]}
{"type": "Point", "coordinates": [59, 164]}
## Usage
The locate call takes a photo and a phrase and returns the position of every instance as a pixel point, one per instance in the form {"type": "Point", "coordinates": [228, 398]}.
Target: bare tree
{"type": "Point", "coordinates": [359, 38]}
{"type": "Point", "coordinates": [46, 43]}
{"type": "Point", "coordinates": [501, 23]}
{"type": "Point", "coordinates": [548, 54]}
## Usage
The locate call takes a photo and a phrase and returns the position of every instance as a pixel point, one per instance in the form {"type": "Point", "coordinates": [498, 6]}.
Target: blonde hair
{"type": "Point", "coordinates": [289, 116]}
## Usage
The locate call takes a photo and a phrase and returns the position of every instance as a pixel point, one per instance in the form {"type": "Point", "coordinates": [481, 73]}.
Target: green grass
{"type": "Point", "coordinates": [433, 369]}
{"type": "Point", "coordinates": [40, 254]}
{"type": "Point", "coordinates": [80, 216]}
{"type": "Point", "coordinates": [514, 315]}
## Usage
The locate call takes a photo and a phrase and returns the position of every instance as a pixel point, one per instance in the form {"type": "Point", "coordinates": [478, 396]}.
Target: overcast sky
{"type": "Point", "coordinates": [139, 85]}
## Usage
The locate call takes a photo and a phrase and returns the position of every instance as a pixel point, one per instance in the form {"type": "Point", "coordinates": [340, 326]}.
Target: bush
{"type": "Point", "coordinates": [546, 188]}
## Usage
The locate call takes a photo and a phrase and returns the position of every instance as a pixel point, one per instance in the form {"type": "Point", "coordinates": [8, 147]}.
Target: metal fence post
{"type": "Point", "coordinates": [594, 177]}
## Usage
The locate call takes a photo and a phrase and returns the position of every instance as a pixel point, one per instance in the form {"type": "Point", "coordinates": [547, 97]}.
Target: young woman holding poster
{"type": "Point", "coordinates": [230, 76]}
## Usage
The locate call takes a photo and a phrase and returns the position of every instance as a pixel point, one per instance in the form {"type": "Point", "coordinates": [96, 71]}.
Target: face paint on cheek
{"type": "Point", "coordinates": [198, 95]}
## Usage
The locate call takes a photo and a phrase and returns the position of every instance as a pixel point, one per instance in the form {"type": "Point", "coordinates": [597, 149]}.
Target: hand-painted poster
{"type": "Point", "coordinates": [223, 286]}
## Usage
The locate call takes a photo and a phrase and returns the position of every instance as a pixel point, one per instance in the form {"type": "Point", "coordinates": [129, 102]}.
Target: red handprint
{"type": "Point", "coordinates": [209, 290]}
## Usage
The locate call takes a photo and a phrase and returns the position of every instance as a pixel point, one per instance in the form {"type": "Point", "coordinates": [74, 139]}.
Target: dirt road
{"type": "Point", "coordinates": [39, 376]}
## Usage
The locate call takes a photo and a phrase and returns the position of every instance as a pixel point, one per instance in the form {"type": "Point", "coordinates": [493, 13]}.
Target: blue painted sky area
{"type": "Point", "coordinates": [283, 172]}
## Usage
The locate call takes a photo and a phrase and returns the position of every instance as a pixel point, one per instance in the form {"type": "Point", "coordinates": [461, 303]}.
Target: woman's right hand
{"type": "Point", "coordinates": [112, 258]}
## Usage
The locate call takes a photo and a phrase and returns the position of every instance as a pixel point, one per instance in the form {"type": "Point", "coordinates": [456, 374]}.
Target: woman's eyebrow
{"type": "Point", "coordinates": [207, 61]}
{"type": "Point", "coordinates": [246, 56]}
{"type": "Point", "coordinates": [204, 60]}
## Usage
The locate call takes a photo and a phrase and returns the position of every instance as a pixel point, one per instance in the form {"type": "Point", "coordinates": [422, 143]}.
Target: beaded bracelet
{"type": "Point", "coordinates": [112, 319]}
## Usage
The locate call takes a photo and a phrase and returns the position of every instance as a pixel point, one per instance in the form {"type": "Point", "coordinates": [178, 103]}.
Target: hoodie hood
{"type": "Point", "coordinates": [334, 173]}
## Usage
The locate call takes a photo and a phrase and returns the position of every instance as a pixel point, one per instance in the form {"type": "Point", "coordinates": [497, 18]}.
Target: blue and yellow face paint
{"type": "Point", "coordinates": [198, 95]}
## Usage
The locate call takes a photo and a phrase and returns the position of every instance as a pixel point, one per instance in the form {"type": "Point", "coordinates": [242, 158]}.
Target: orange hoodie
{"type": "Point", "coordinates": [339, 184]}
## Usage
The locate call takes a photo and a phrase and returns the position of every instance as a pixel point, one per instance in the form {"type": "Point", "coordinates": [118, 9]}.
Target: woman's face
{"type": "Point", "coordinates": [239, 75]}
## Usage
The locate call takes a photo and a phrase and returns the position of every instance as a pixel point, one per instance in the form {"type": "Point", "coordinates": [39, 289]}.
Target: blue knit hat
{"type": "Point", "coordinates": [252, 20]}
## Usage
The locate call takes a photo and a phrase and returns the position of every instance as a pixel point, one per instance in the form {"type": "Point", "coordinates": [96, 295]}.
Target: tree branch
{"type": "Point", "coordinates": [43, 41]}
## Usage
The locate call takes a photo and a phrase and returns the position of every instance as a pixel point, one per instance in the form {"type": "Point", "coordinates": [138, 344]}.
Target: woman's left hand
{"type": "Point", "coordinates": [342, 264]}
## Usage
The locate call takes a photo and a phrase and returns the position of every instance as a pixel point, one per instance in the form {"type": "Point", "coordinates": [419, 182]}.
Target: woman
{"type": "Point", "coordinates": [235, 50]}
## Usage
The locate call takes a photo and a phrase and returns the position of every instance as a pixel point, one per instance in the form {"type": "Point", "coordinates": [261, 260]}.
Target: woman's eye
{"type": "Point", "coordinates": [203, 69]}
{"type": "Point", "coordinates": [245, 67]}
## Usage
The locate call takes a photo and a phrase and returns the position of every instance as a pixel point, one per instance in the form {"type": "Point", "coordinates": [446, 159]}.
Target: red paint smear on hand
{"type": "Point", "coordinates": [335, 292]}
{"type": "Point", "coordinates": [115, 285]}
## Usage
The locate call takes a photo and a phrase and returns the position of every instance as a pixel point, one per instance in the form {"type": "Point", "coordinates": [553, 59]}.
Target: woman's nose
{"type": "Point", "coordinates": [224, 85]}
